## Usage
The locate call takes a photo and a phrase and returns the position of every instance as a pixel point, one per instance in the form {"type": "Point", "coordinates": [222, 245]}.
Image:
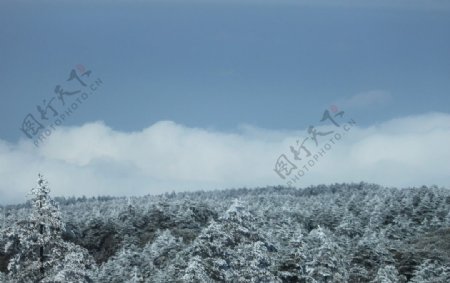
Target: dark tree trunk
{"type": "Point", "coordinates": [41, 248]}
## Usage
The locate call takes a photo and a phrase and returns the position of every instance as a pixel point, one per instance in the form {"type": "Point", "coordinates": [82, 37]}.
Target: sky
{"type": "Point", "coordinates": [189, 95]}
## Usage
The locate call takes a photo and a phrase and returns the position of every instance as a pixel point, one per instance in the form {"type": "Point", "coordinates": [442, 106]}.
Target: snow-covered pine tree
{"type": "Point", "coordinates": [327, 262]}
{"type": "Point", "coordinates": [157, 254]}
{"type": "Point", "coordinates": [292, 258]}
{"type": "Point", "coordinates": [196, 272]}
{"type": "Point", "coordinates": [231, 250]}
{"type": "Point", "coordinates": [388, 274]}
{"type": "Point", "coordinates": [40, 245]}
{"type": "Point", "coordinates": [76, 266]}
{"type": "Point", "coordinates": [120, 267]}
{"type": "Point", "coordinates": [432, 272]}
{"type": "Point", "coordinates": [137, 278]}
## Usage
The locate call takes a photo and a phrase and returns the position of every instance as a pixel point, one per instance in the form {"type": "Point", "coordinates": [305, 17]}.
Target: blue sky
{"type": "Point", "coordinates": [224, 67]}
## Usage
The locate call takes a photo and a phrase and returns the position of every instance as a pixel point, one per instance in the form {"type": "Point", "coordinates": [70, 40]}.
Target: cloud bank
{"type": "Point", "coordinates": [94, 159]}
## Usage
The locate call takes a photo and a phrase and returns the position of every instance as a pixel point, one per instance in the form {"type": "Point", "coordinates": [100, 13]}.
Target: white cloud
{"type": "Point", "coordinates": [93, 159]}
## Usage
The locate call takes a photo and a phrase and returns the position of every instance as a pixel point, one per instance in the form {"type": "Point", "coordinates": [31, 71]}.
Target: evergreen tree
{"type": "Point", "coordinates": [137, 278]}
{"type": "Point", "coordinates": [120, 267]}
{"type": "Point", "coordinates": [39, 241]}
{"type": "Point", "coordinates": [231, 249]}
{"type": "Point", "coordinates": [196, 272]}
{"type": "Point", "coordinates": [157, 255]}
{"type": "Point", "coordinates": [76, 267]}
{"type": "Point", "coordinates": [292, 258]}
{"type": "Point", "coordinates": [327, 262]}
{"type": "Point", "coordinates": [387, 274]}
{"type": "Point", "coordinates": [431, 272]}
{"type": "Point", "coordinates": [350, 226]}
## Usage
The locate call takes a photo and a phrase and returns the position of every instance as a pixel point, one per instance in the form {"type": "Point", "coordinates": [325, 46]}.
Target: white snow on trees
{"type": "Point", "coordinates": [337, 233]}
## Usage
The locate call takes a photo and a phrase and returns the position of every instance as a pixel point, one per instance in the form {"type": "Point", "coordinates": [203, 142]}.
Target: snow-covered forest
{"type": "Point", "coordinates": [338, 233]}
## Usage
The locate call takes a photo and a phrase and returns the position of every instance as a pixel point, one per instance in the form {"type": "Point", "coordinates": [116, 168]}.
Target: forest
{"type": "Point", "coordinates": [350, 232]}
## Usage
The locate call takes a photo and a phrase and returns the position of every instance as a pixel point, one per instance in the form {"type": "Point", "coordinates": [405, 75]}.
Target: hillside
{"type": "Point", "coordinates": [337, 233]}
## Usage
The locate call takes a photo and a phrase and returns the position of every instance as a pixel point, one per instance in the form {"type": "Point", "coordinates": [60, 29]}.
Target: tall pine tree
{"type": "Point", "coordinates": [39, 241]}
